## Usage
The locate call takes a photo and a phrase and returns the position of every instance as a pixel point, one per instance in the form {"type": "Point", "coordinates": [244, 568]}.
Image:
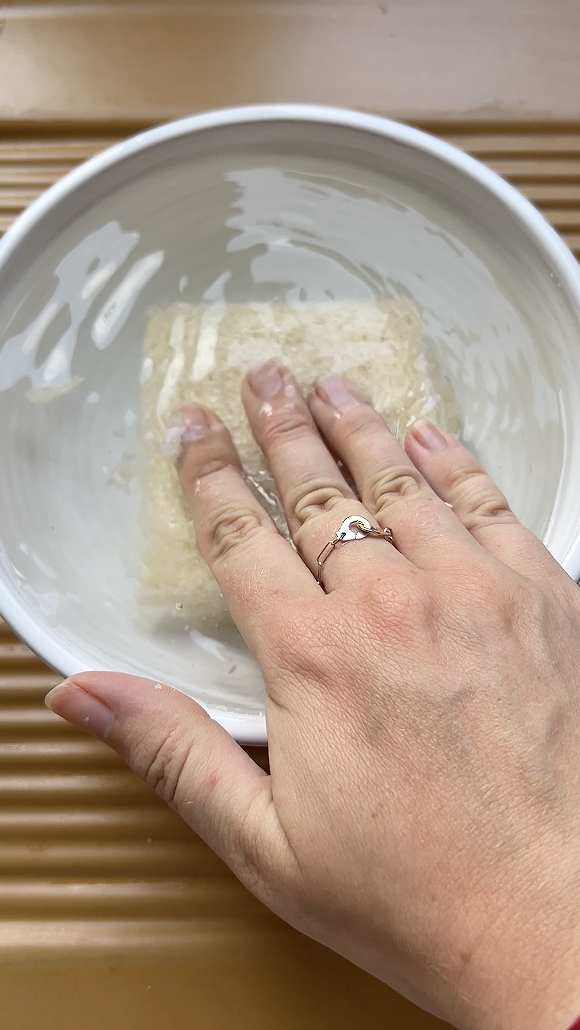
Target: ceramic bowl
{"type": "Point", "coordinates": [282, 203]}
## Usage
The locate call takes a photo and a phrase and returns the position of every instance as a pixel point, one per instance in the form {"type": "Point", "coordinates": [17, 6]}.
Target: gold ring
{"type": "Point", "coordinates": [355, 527]}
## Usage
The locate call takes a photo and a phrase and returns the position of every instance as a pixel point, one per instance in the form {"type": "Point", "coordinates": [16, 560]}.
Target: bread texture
{"type": "Point", "coordinates": [200, 353]}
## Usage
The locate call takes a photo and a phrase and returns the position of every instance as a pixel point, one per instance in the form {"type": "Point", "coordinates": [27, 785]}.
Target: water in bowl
{"type": "Point", "coordinates": [236, 229]}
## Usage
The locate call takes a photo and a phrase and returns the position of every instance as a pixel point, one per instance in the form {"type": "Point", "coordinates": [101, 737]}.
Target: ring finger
{"type": "Point", "coordinates": [315, 494]}
{"type": "Point", "coordinates": [389, 484]}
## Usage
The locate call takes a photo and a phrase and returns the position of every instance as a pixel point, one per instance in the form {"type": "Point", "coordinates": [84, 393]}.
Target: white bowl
{"type": "Point", "coordinates": [268, 203]}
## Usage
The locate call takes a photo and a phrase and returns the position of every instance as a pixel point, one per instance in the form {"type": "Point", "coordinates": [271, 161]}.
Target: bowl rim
{"type": "Point", "coordinates": [251, 729]}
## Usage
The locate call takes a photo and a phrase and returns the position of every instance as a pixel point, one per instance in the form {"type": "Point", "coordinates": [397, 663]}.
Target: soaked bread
{"type": "Point", "coordinates": [200, 353]}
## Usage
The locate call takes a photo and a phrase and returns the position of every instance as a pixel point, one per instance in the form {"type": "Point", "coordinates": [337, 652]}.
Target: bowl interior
{"type": "Point", "coordinates": [269, 211]}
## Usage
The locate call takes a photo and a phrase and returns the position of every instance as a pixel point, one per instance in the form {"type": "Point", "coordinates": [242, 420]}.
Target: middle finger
{"type": "Point", "coordinates": [315, 494]}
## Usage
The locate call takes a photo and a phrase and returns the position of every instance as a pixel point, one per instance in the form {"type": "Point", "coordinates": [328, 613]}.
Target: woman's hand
{"type": "Point", "coordinates": [422, 815]}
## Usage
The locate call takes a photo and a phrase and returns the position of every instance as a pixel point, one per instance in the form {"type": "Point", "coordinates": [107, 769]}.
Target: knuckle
{"type": "Point", "coordinates": [480, 500]}
{"type": "Point", "coordinates": [490, 504]}
{"type": "Point", "coordinates": [391, 484]}
{"type": "Point", "coordinates": [398, 612]}
{"type": "Point", "coordinates": [287, 423]}
{"type": "Point", "coordinates": [192, 469]}
{"type": "Point", "coordinates": [401, 604]}
{"type": "Point", "coordinates": [309, 499]}
{"type": "Point", "coordinates": [259, 846]}
{"type": "Point", "coordinates": [360, 426]}
{"type": "Point", "coordinates": [309, 647]}
{"type": "Point", "coordinates": [211, 466]}
{"type": "Point", "coordinates": [164, 769]}
{"type": "Point", "coordinates": [254, 844]}
{"type": "Point", "coordinates": [460, 475]}
{"type": "Point", "coordinates": [488, 509]}
{"type": "Point", "coordinates": [227, 528]}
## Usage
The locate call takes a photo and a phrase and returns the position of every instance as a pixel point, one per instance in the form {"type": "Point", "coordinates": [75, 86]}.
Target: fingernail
{"type": "Point", "coordinates": [266, 381]}
{"type": "Point", "coordinates": [333, 390]}
{"type": "Point", "coordinates": [81, 709]}
{"type": "Point", "coordinates": [195, 424]}
{"type": "Point", "coordinates": [428, 436]}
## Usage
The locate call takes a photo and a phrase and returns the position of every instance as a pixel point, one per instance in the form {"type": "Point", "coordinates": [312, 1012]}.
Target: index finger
{"type": "Point", "coordinates": [256, 569]}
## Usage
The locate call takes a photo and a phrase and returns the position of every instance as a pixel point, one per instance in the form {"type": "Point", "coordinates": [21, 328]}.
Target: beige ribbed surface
{"type": "Point", "coordinates": [83, 840]}
{"type": "Point", "coordinates": [91, 862]}
{"type": "Point", "coordinates": [543, 164]}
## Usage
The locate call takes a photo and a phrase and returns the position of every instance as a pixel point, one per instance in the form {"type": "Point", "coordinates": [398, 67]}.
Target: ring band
{"type": "Point", "coordinates": [353, 528]}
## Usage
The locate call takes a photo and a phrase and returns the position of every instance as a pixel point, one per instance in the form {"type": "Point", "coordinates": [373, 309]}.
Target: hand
{"type": "Point", "coordinates": [422, 815]}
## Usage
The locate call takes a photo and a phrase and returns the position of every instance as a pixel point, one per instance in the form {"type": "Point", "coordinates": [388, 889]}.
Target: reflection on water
{"type": "Point", "coordinates": [79, 277]}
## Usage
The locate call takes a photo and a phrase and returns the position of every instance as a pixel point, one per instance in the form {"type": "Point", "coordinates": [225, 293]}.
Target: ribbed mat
{"type": "Point", "coordinates": [543, 164]}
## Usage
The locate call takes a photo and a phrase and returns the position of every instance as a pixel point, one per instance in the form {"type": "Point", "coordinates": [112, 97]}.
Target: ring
{"type": "Point", "coordinates": [362, 528]}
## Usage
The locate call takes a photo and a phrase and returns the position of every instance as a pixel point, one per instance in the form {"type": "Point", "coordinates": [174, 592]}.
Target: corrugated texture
{"type": "Point", "coordinates": [92, 865]}
{"type": "Point", "coordinates": [82, 840]}
{"type": "Point", "coordinates": [543, 164]}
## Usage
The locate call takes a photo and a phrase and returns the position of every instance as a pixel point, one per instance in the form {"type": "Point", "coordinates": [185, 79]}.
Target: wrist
{"type": "Point", "coordinates": [524, 974]}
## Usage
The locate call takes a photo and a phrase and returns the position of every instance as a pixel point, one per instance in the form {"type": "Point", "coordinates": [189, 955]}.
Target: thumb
{"type": "Point", "coordinates": [191, 761]}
